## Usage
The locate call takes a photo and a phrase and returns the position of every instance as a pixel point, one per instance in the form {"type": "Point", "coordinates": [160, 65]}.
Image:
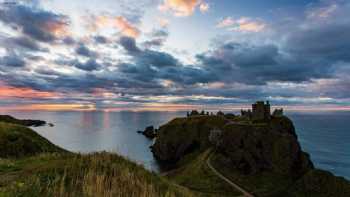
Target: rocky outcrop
{"type": "Point", "coordinates": [267, 147]}
{"type": "Point", "coordinates": [184, 135]}
{"type": "Point", "coordinates": [149, 132]}
{"type": "Point", "coordinates": [250, 148]}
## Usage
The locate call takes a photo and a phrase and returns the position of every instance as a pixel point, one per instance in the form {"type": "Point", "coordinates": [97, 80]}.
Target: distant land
{"type": "Point", "coordinates": [256, 153]}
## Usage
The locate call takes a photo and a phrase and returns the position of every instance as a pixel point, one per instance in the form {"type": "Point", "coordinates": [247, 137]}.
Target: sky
{"type": "Point", "coordinates": [170, 55]}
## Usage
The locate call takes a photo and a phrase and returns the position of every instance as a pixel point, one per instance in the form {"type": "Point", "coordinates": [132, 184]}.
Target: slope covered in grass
{"type": "Point", "coordinates": [19, 141]}
{"type": "Point", "coordinates": [99, 174]}
{"type": "Point", "coordinates": [196, 175]}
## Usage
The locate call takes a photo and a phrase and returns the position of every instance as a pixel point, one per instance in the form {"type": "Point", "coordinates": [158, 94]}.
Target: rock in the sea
{"type": "Point", "coordinates": [149, 132]}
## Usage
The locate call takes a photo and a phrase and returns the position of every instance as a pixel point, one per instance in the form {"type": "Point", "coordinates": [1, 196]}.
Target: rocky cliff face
{"type": "Point", "coordinates": [184, 135]}
{"type": "Point", "coordinates": [249, 148]}
{"type": "Point", "coordinates": [266, 147]}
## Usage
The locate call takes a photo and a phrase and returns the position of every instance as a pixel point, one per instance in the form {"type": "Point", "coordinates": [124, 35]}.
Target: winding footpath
{"type": "Point", "coordinates": [237, 187]}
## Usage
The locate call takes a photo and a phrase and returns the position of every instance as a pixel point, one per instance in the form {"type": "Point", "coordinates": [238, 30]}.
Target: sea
{"type": "Point", "coordinates": [324, 135]}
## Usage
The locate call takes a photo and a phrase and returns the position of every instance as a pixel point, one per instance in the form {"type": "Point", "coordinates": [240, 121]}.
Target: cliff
{"type": "Point", "coordinates": [263, 157]}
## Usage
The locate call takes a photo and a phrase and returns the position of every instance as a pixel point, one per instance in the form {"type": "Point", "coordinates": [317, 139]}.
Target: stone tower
{"type": "Point", "coordinates": [261, 111]}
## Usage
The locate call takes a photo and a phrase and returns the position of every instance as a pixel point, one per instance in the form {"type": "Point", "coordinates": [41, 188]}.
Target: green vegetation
{"type": "Point", "coordinates": [19, 141]}
{"type": "Point", "coordinates": [32, 166]}
{"type": "Point", "coordinates": [10, 119]}
{"type": "Point", "coordinates": [99, 174]}
{"type": "Point", "coordinates": [260, 184]}
{"type": "Point", "coordinates": [196, 175]}
{"type": "Point", "coordinates": [264, 159]}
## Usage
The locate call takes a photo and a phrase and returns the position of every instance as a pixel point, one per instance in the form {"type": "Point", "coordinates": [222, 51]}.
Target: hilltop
{"type": "Point", "coordinates": [258, 152]}
{"type": "Point", "coordinates": [30, 165]}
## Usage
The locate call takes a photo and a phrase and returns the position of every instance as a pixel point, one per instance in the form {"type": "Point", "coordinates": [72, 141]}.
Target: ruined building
{"type": "Point", "coordinates": [278, 112]}
{"type": "Point", "coordinates": [260, 111]}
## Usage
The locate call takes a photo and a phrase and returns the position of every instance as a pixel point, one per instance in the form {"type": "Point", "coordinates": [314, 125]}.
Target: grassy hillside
{"type": "Point", "coordinates": [19, 141]}
{"type": "Point", "coordinates": [100, 174]}
{"type": "Point", "coordinates": [196, 175]}
{"type": "Point", "coordinates": [32, 166]}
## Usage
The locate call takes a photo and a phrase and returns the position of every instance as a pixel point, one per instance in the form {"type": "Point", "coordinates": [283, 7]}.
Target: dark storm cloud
{"type": "Point", "coordinates": [151, 65]}
{"type": "Point", "coordinates": [327, 42]}
{"type": "Point", "coordinates": [33, 22]}
{"type": "Point", "coordinates": [85, 51]}
{"type": "Point", "coordinates": [129, 44]}
{"type": "Point", "coordinates": [244, 63]}
{"type": "Point", "coordinates": [12, 61]}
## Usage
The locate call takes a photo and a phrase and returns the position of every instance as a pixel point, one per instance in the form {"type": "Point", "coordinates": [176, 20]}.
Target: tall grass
{"type": "Point", "coordinates": [99, 174]}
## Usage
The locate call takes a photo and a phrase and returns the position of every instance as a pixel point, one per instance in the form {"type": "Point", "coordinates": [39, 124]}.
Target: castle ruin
{"type": "Point", "coordinates": [260, 111]}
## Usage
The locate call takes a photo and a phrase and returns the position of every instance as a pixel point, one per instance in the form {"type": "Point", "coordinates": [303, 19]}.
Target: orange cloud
{"type": "Point", "coordinates": [183, 7]}
{"type": "Point", "coordinates": [243, 24]}
{"type": "Point", "coordinates": [120, 22]}
{"type": "Point", "coordinates": [58, 29]}
{"type": "Point", "coordinates": [126, 27]}
{"type": "Point", "coordinates": [13, 92]}
{"type": "Point", "coordinates": [51, 107]}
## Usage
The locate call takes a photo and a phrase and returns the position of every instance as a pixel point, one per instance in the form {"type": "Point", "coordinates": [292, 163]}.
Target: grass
{"type": "Point", "coordinates": [262, 184]}
{"type": "Point", "coordinates": [30, 165]}
{"type": "Point", "coordinates": [196, 175]}
{"type": "Point", "coordinates": [18, 141]}
{"type": "Point", "coordinates": [98, 174]}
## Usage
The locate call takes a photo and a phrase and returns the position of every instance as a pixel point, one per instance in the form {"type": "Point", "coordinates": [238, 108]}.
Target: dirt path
{"type": "Point", "coordinates": [237, 187]}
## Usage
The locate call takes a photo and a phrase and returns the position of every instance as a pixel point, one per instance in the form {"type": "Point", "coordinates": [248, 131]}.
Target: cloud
{"type": "Point", "coordinates": [36, 23]}
{"type": "Point", "coordinates": [119, 22]}
{"type": "Point", "coordinates": [327, 43]}
{"type": "Point", "coordinates": [101, 39]}
{"type": "Point", "coordinates": [21, 43]}
{"type": "Point", "coordinates": [226, 22]}
{"type": "Point", "coordinates": [204, 7]}
{"type": "Point", "coordinates": [322, 12]}
{"type": "Point", "coordinates": [126, 27]}
{"type": "Point", "coordinates": [129, 44]}
{"type": "Point", "coordinates": [84, 51]}
{"type": "Point", "coordinates": [12, 61]}
{"type": "Point", "coordinates": [183, 7]}
{"type": "Point", "coordinates": [90, 65]}
{"type": "Point", "coordinates": [24, 92]}
{"type": "Point", "coordinates": [243, 24]}
{"type": "Point", "coordinates": [157, 38]}
{"type": "Point", "coordinates": [163, 22]}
